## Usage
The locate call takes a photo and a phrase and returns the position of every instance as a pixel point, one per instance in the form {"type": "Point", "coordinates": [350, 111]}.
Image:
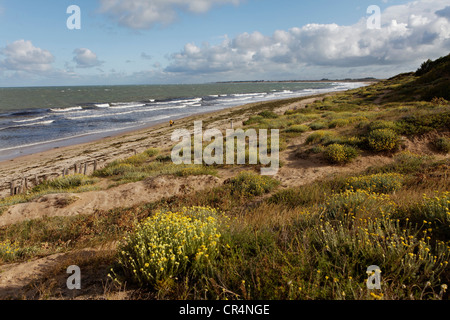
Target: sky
{"type": "Point", "coordinates": [123, 42]}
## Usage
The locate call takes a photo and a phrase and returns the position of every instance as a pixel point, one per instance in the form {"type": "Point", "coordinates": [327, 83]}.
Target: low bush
{"type": "Point", "coordinates": [318, 125]}
{"type": "Point", "coordinates": [65, 183]}
{"type": "Point", "coordinates": [151, 152]}
{"type": "Point", "coordinates": [318, 136]}
{"type": "Point", "coordinates": [340, 154]}
{"type": "Point", "coordinates": [298, 128]}
{"type": "Point", "coordinates": [442, 144]}
{"type": "Point", "coordinates": [170, 245]}
{"type": "Point", "coordinates": [268, 115]}
{"type": "Point", "coordinates": [248, 183]}
{"type": "Point", "coordinates": [383, 140]}
{"type": "Point", "coordinates": [358, 204]}
{"type": "Point", "coordinates": [337, 123]}
{"type": "Point", "coordinates": [379, 183]}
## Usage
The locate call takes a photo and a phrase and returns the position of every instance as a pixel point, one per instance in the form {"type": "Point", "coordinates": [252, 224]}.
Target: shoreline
{"type": "Point", "coordinates": [51, 163]}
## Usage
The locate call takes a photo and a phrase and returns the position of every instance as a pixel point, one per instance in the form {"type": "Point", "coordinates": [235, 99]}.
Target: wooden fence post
{"type": "Point", "coordinates": [13, 187]}
{"type": "Point", "coordinates": [95, 165]}
{"type": "Point", "coordinates": [85, 168]}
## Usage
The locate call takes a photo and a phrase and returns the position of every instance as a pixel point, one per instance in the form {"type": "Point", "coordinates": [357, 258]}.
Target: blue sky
{"type": "Point", "coordinates": [197, 41]}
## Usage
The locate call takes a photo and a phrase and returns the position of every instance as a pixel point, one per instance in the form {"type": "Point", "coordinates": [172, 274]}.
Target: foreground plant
{"type": "Point", "coordinates": [170, 245]}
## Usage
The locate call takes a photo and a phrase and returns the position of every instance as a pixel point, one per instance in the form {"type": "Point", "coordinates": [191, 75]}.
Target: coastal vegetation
{"type": "Point", "coordinates": [251, 238]}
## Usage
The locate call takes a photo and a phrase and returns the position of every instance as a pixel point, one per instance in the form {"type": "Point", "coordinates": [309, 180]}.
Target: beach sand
{"type": "Point", "coordinates": [51, 163]}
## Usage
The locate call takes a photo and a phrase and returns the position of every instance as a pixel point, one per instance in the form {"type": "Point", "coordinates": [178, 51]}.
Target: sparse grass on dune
{"type": "Point", "coordinates": [76, 183]}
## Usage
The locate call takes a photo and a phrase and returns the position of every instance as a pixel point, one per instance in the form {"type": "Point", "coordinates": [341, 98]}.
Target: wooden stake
{"type": "Point", "coordinates": [85, 168]}
{"type": "Point", "coordinates": [95, 165]}
{"type": "Point", "coordinates": [13, 187]}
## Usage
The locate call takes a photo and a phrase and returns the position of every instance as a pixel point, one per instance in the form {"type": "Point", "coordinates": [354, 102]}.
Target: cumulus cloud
{"type": "Point", "coordinates": [410, 33]}
{"type": "Point", "coordinates": [85, 58]}
{"type": "Point", "coordinates": [144, 14]}
{"type": "Point", "coordinates": [445, 13]}
{"type": "Point", "coordinates": [22, 55]}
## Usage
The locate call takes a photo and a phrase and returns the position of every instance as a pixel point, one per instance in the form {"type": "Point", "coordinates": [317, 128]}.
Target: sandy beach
{"type": "Point", "coordinates": [51, 163]}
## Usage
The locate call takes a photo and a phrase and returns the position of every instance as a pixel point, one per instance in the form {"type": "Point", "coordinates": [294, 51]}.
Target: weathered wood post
{"type": "Point", "coordinates": [36, 180]}
{"type": "Point", "coordinates": [95, 165]}
{"type": "Point", "coordinates": [76, 167]}
{"type": "Point", "coordinates": [13, 187]}
{"type": "Point", "coordinates": [85, 168]}
{"type": "Point", "coordinates": [25, 184]}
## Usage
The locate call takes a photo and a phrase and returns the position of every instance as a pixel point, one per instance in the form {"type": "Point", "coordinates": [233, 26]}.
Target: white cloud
{"type": "Point", "coordinates": [85, 58]}
{"type": "Point", "coordinates": [144, 14]}
{"type": "Point", "coordinates": [22, 55]}
{"type": "Point", "coordinates": [410, 33]}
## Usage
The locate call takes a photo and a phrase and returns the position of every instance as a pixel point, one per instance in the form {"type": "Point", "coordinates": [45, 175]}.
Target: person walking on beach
{"type": "Point", "coordinates": [171, 123]}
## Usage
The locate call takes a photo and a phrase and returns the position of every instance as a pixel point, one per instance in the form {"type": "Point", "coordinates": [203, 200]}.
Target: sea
{"type": "Point", "coordinates": [35, 119]}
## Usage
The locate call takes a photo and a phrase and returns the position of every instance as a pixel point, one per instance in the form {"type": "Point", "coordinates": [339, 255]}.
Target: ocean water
{"type": "Point", "coordinates": [37, 119]}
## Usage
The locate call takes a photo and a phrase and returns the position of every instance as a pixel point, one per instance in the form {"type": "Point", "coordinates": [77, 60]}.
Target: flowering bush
{"type": "Point", "coordinates": [8, 251]}
{"type": "Point", "coordinates": [171, 244]}
{"type": "Point", "coordinates": [338, 153]}
{"type": "Point", "coordinates": [380, 183]}
{"type": "Point", "coordinates": [251, 184]}
{"type": "Point", "coordinates": [436, 208]}
{"type": "Point", "coordinates": [359, 203]}
{"type": "Point", "coordinates": [383, 140]}
{"type": "Point", "coordinates": [298, 128]}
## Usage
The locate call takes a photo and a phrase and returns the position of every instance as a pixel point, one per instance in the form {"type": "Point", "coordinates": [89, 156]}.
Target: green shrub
{"type": "Point", "coordinates": [65, 183]}
{"type": "Point", "coordinates": [379, 183]}
{"type": "Point", "coordinates": [115, 168]}
{"type": "Point", "coordinates": [338, 123]}
{"type": "Point", "coordinates": [151, 152]}
{"type": "Point", "coordinates": [383, 140]}
{"type": "Point", "coordinates": [339, 154]}
{"type": "Point", "coordinates": [268, 115]}
{"type": "Point", "coordinates": [163, 158]}
{"type": "Point", "coordinates": [248, 183]}
{"type": "Point", "coordinates": [171, 244]}
{"type": "Point", "coordinates": [382, 124]}
{"type": "Point", "coordinates": [196, 170]}
{"type": "Point", "coordinates": [423, 123]}
{"type": "Point", "coordinates": [359, 204]}
{"type": "Point", "coordinates": [298, 128]}
{"type": "Point", "coordinates": [136, 160]}
{"type": "Point", "coordinates": [253, 120]}
{"type": "Point", "coordinates": [318, 125]}
{"type": "Point", "coordinates": [442, 144]}
{"type": "Point", "coordinates": [435, 208]}
{"type": "Point", "coordinates": [319, 136]}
